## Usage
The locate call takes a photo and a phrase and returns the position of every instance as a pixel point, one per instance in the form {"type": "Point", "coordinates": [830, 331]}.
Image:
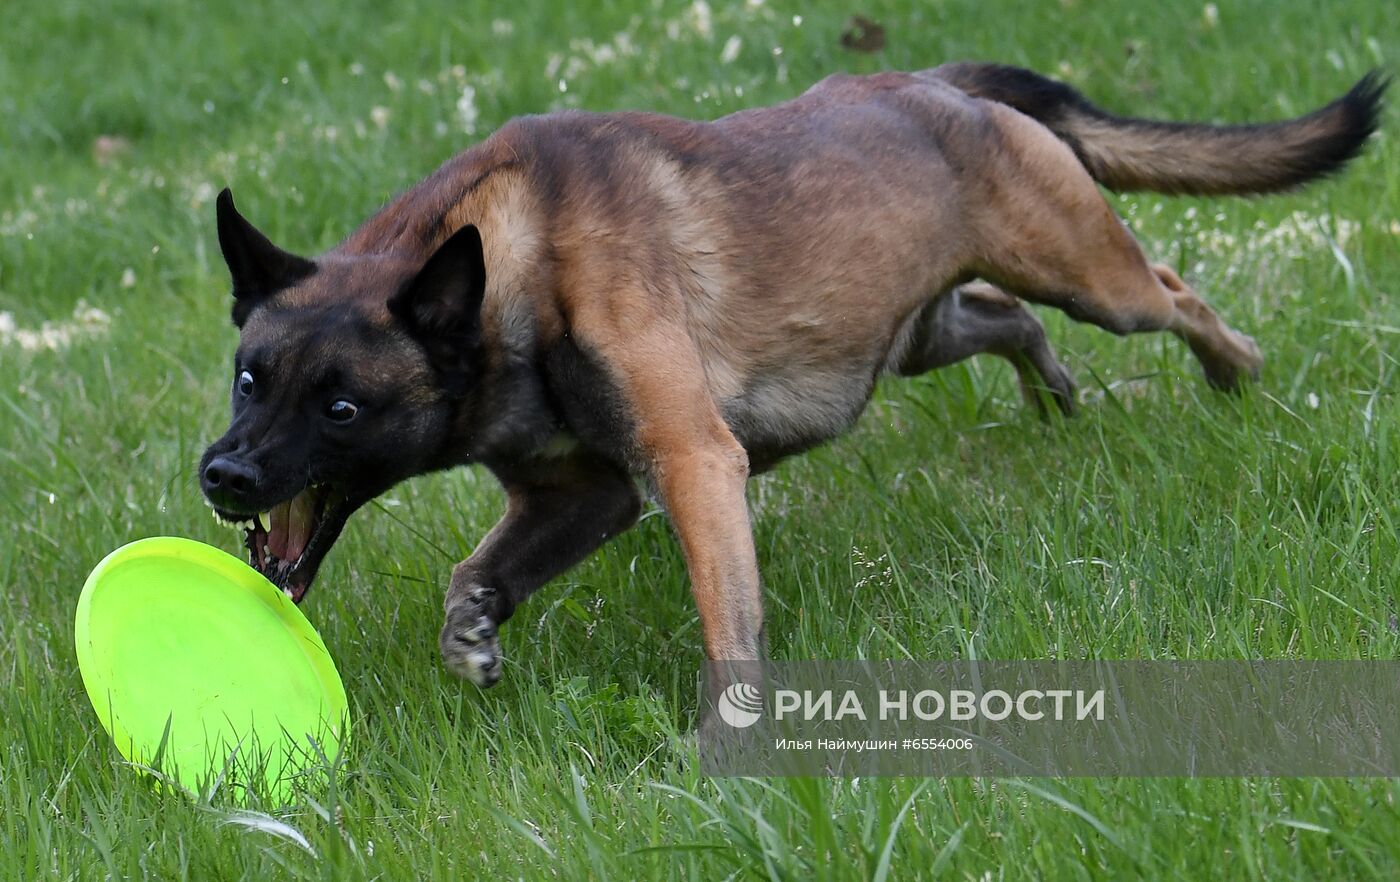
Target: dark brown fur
{"type": "Point", "coordinates": [691, 301]}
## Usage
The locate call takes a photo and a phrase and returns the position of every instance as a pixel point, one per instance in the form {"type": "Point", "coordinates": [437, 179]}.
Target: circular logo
{"type": "Point", "coordinates": [740, 705]}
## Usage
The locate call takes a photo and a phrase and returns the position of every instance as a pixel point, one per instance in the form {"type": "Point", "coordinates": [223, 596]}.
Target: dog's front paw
{"type": "Point", "coordinates": [470, 646]}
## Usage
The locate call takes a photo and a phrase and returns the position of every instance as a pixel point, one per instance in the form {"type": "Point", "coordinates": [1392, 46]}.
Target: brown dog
{"type": "Point", "coordinates": [587, 297]}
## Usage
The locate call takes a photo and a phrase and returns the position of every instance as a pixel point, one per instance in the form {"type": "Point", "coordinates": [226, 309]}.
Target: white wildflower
{"type": "Point", "coordinates": [502, 27]}
{"type": "Point", "coordinates": [466, 109]}
{"type": "Point", "coordinates": [701, 21]}
{"type": "Point", "coordinates": [87, 322]}
{"type": "Point", "coordinates": [128, 278]}
{"type": "Point", "coordinates": [731, 50]}
{"type": "Point", "coordinates": [14, 223]}
{"type": "Point", "coordinates": [1210, 15]}
{"type": "Point", "coordinates": [202, 194]}
{"type": "Point", "coordinates": [379, 115]}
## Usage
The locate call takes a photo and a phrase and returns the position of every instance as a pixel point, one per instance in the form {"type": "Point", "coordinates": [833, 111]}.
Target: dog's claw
{"type": "Point", "coordinates": [470, 646]}
{"type": "Point", "coordinates": [483, 630]}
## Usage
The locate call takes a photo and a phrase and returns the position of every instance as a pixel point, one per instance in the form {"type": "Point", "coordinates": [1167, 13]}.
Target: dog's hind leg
{"type": "Point", "coordinates": [976, 318]}
{"type": "Point", "coordinates": [557, 512]}
{"type": "Point", "coordinates": [1046, 234]}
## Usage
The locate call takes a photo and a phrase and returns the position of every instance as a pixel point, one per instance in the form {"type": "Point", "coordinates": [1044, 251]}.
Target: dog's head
{"type": "Point", "coordinates": [348, 378]}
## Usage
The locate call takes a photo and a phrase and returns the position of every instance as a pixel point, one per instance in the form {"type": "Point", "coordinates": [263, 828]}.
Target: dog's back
{"type": "Point", "coordinates": [797, 242]}
{"type": "Point", "coordinates": [798, 238]}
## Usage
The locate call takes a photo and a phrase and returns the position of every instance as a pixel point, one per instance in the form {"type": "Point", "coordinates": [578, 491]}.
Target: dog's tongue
{"type": "Point", "coordinates": [289, 526]}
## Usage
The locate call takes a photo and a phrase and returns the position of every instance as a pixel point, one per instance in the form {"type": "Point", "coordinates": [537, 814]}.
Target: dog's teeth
{"type": "Point", "coordinates": [264, 520]}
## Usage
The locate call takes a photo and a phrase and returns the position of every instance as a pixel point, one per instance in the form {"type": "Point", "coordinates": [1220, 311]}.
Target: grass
{"type": "Point", "coordinates": [1165, 521]}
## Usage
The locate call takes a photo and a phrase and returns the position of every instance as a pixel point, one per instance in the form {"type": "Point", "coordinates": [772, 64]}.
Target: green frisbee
{"type": "Point", "coordinates": [199, 668]}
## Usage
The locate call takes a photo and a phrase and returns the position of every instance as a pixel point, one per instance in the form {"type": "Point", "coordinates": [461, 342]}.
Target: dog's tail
{"type": "Point", "coordinates": [1168, 157]}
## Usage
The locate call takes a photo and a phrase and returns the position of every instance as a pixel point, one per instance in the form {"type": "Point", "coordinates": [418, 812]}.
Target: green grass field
{"type": "Point", "coordinates": [1164, 522]}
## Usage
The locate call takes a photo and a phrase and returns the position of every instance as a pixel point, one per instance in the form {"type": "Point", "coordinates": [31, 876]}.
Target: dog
{"type": "Point", "coordinates": [583, 300]}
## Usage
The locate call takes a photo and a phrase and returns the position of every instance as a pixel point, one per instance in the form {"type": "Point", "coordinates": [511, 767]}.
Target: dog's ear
{"type": "Point", "coordinates": [259, 268]}
{"type": "Point", "coordinates": [441, 306]}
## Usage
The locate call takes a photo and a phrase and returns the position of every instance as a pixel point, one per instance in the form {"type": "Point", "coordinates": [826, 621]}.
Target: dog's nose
{"type": "Point", "coordinates": [229, 481]}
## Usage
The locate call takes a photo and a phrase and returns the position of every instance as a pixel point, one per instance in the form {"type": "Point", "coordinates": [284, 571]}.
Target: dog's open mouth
{"type": "Point", "coordinates": [288, 542]}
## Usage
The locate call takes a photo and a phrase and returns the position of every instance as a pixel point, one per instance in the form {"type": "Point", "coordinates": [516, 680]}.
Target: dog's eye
{"type": "Point", "coordinates": [245, 384]}
{"type": "Point", "coordinates": [342, 411]}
